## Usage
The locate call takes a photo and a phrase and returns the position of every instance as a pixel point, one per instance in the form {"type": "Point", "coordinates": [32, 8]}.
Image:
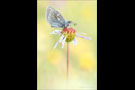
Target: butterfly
{"type": "Point", "coordinates": [55, 19]}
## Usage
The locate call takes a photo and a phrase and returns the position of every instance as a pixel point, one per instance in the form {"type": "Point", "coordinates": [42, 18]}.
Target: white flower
{"type": "Point", "coordinates": [68, 35]}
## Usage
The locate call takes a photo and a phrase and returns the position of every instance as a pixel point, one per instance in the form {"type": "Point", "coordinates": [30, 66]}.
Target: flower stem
{"type": "Point", "coordinates": [67, 62]}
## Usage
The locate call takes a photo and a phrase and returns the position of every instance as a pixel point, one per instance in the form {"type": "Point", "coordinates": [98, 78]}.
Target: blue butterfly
{"type": "Point", "coordinates": [55, 19]}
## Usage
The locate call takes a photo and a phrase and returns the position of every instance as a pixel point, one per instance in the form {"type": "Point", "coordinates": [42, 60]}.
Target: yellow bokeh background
{"type": "Point", "coordinates": [51, 63]}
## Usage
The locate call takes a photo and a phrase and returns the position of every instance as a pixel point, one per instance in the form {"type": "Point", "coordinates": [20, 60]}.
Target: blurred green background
{"type": "Point", "coordinates": [51, 63]}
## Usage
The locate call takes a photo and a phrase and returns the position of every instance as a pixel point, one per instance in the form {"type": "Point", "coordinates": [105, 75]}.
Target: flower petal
{"type": "Point", "coordinates": [58, 32]}
{"type": "Point", "coordinates": [63, 42]}
{"type": "Point", "coordinates": [61, 38]}
{"type": "Point", "coordinates": [74, 41]}
{"type": "Point", "coordinates": [88, 38]}
{"type": "Point", "coordinates": [56, 44]}
{"type": "Point", "coordinates": [80, 33]}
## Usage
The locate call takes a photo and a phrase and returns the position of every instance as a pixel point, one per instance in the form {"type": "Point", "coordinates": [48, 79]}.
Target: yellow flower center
{"type": "Point", "coordinates": [70, 34]}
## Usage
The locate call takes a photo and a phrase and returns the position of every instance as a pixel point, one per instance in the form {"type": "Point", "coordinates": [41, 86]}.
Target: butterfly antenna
{"type": "Point", "coordinates": [74, 23]}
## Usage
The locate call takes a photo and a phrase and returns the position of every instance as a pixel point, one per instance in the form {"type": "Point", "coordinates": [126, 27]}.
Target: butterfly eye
{"type": "Point", "coordinates": [69, 21]}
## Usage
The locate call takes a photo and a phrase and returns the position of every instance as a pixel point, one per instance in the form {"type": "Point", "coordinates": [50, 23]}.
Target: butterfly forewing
{"type": "Point", "coordinates": [54, 18]}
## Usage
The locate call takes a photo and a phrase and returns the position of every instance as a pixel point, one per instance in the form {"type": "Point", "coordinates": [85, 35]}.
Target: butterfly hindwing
{"type": "Point", "coordinates": [54, 18]}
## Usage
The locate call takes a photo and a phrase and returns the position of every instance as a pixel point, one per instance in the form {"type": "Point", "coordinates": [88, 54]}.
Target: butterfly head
{"type": "Point", "coordinates": [69, 23]}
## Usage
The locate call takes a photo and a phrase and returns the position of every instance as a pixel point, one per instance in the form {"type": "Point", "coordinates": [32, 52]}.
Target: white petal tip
{"type": "Point", "coordinates": [89, 38]}
{"type": "Point", "coordinates": [56, 45]}
{"type": "Point", "coordinates": [74, 41]}
{"type": "Point", "coordinates": [56, 32]}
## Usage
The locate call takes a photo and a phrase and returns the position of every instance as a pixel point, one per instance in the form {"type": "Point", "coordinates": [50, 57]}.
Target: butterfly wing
{"type": "Point", "coordinates": [54, 18]}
